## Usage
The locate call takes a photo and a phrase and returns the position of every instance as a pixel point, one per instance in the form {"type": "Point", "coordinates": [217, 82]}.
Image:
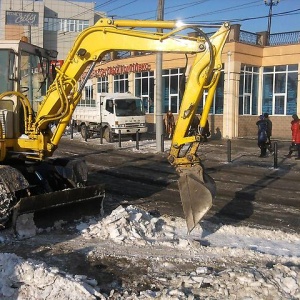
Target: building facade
{"type": "Point", "coordinates": [259, 75]}
{"type": "Point", "coordinates": [52, 24]}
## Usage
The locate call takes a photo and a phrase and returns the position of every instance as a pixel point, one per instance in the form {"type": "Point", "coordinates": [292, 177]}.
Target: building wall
{"type": "Point", "coordinates": [281, 126]}
{"type": "Point", "coordinates": [239, 53]}
{"type": "Point", "coordinates": [33, 33]}
{"type": "Point", "coordinates": [231, 124]}
{"type": "Point", "coordinates": [60, 40]}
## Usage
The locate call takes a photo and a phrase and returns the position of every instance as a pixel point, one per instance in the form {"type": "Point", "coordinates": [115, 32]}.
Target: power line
{"type": "Point", "coordinates": [174, 8]}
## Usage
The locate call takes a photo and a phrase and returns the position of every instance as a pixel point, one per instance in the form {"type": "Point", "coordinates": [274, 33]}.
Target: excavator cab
{"type": "Point", "coordinates": [24, 69]}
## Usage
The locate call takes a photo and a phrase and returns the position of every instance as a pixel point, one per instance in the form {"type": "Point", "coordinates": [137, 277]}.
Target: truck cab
{"type": "Point", "coordinates": [111, 114]}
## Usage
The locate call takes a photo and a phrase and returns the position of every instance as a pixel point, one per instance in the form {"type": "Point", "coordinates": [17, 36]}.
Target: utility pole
{"type": "Point", "coordinates": [158, 79]}
{"type": "Point", "coordinates": [270, 3]}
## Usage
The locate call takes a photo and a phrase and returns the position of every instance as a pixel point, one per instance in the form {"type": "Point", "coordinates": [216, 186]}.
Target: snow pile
{"type": "Point", "coordinates": [20, 279]}
{"type": "Point", "coordinates": [133, 225]}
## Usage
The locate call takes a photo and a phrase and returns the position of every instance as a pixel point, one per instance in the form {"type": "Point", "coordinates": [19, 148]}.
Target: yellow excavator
{"type": "Point", "coordinates": [33, 116]}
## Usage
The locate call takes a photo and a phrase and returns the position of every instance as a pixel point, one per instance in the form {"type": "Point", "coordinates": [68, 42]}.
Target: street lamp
{"type": "Point", "coordinates": [270, 3]}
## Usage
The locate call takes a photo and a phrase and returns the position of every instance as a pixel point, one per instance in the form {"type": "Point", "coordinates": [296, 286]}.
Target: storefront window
{"type": "Point", "coordinates": [88, 96]}
{"type": "Point", "coordinates": [102, 84]}
{"type": "Point", "coordinates": [218, 101]}
{"type": "Point", "coordinates": [144, 88]}
{"type": "Point", "coordinates": [121, 83]}
{"type": "Point", "coordinates": [171, 81]}
{"type": "Point", "coordinates": [248, 90]}
{"type": "Point", "coordinates": [280, 85]}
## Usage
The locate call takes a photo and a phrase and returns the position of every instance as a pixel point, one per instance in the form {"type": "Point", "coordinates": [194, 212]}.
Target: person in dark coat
{"type": "Point", "coordinates": [269, 132]}
{"type": "Point", "coordinates": [262, 135]}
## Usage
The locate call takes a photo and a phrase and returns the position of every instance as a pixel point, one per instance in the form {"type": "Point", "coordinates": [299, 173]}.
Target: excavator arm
{"type": "Point", "coordinates": [197, 189]}
{"type": "Point", "coordinates": [90, 48]}
{"type": "Point", "coordinates": [39, 141]}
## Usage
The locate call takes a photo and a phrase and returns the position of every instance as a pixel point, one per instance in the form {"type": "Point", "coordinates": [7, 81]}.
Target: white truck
{"type": "Point", "coordinates": [111, 114]}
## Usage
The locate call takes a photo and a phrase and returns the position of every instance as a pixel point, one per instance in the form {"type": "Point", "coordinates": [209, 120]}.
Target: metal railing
{"type": "Point", "coordinates": [249, 37]}
{"type": "Point", "coordinates": [285, 38]}
{"type": "Point", "coordinates": [276, 39]}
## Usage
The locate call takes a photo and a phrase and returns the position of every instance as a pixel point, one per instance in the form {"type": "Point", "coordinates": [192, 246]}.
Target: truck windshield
{"type": "Point", "coordinates": [129, 107]}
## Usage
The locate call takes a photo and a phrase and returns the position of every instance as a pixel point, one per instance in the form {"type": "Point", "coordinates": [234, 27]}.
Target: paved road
{"type": "Point", "coordinates": [251, 191]}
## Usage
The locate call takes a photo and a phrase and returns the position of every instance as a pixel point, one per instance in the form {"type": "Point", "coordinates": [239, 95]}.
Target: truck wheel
{"type": "Point", "coordinates": [107, 135]}
{"type": "Point", "coordinates": [83, 129]}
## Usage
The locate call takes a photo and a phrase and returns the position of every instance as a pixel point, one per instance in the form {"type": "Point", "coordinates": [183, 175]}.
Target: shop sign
{"type": "Point", "coordinates": [53, 65]}
{"type": "Point", "coordinates": [57, 63]}
{"type": "Point", "coordinates": [122, 69]}
{"type": "Point", "coordinates": [22, 18]}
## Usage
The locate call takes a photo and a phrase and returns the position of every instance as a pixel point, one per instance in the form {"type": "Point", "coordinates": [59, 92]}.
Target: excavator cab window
{"type": "Point", "coordinates": [33, 77]}
{"type": "Point", "coordinates": [7, 76]}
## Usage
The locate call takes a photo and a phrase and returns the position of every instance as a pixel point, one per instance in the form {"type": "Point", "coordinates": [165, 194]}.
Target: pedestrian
{"type": "Point", "coordinates": [169, 124]}
{"type": "Point", "coordinates": [269, 133]}
{"type": "Point", "coordinates": [295, 128]}
{"type": "Point", "coordinates": [262, 135]}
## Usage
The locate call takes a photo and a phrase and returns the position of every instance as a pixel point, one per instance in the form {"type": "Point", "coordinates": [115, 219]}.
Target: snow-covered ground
{"type": "Point", "coordinates": [251, 263]}
{"type": "Point", "coordinates": [225, 262]}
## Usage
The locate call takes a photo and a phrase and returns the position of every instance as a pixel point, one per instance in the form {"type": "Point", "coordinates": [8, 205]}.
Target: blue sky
{"type": "Point", "coordinates": [251, 14]}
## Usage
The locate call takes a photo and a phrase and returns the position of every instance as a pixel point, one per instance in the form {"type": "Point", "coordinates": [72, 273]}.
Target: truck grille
{"type": "Point", "coordinates": [132, 124]}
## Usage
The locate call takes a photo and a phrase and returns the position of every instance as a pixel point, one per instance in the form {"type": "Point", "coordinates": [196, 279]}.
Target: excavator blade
{"type": "Point", "coordinates": [197, 190]}
{"type": "Point", "coordinates": [61, 205]}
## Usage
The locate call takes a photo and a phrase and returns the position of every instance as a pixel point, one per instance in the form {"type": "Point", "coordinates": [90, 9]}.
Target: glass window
{"type": "Point", "coordinates": [129, 107]}
{"type": "Point", "coordinates": [109, 106]}
{"type": "Point", "coordinates": [280, 85]}
{"type": "Point", "coordinates": [292, 85]}
{"type": "Point", "coordinates": [218, 101]}
{"type": "Point", "coordinates": [66, 25]}
{"type": "Point", "coordinates": [248, 90]}
{"type": "Point", "coordinates": [171, 82]}
{"type": "Point", "coordinates": [121, 83]}
{"type": "Point", "coordinates": [102, 84]}
{"type": "Point", "coordinates": [280, 68]}
{"type": "Point", "coordinates": [144, 88]}
{"type": "Point", "coordinates": [6, 71]}
{"type": "Point", "coordinates": [71, 25]}
{"type": "Point", "coordinates": [33, 76]}
{"type": "Point", "coordinates": [88, 95]}
{"type": "Point", "coordinates": [82, 24]}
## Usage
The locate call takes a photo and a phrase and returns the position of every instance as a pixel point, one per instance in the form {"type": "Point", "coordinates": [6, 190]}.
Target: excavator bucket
{"type": "Point", "coordinates": [59, 205]}
{"type": "Point", "coordinates": [197, 190]}
{"type": "Point", "coordinates": [47, 192]}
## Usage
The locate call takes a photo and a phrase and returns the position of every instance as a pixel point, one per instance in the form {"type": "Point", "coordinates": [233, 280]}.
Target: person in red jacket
{"type": "Point", "coordinates": [295, 127]}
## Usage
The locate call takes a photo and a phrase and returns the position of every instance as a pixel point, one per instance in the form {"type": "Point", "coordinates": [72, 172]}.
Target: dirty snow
{"type": "Point", "coordinates": [275, 276]}
{"type": "Point", "coordinates": [230, 262]}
